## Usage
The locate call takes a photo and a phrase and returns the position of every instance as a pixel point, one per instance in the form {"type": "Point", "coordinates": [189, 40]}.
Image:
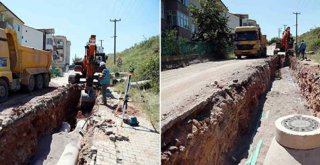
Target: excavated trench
{"type": "Point", "coordinates": [21, 131]}
{"type": "Point", "coordinates": [209, 134]}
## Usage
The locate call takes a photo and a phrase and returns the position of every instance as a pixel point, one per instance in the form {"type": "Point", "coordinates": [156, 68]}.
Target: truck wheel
{"type": "Point", "coordinates": [46, 80]}
{"type": "Point", "coordinates": [4, 90]}
{"type": "Point", "coordinates": [238, 57]}
{"type": "Point", "coordinates": [39, 81]}
{"type": "Point", "coordinates": [31, 84]}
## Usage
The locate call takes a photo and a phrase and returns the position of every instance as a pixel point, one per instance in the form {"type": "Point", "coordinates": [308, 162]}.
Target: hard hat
{"type": "Point", "coordinates": [102, 64]}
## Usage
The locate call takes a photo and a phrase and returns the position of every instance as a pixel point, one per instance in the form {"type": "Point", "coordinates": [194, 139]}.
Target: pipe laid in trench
{"type": "Point", "coordinates": [20, 133]}
{"type": "Point", "coordinates": [71, 151]}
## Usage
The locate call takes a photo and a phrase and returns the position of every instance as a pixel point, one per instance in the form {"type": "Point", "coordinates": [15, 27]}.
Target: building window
{"type": "Point", "coordinates": [183, 20]}
{"type": "Point", "coordinates": [49, 41]}
{"type": "Point", "coordinates": [18, 27]}
{"type": "Point", "coordinates": [171, 18]}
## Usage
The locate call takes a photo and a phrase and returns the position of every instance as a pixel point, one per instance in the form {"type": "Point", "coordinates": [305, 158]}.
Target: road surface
{"type": "Point", "coordinates": [185, 86]}
{"type": "Point", "coordinates": [180, 86]}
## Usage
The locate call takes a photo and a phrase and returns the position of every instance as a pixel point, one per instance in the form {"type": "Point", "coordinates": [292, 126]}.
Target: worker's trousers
{"type": "Point", "coordinates": [104, 94]}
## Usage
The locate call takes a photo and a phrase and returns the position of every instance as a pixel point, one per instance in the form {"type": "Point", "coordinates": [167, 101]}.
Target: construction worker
{"type": "Point", "coordinates": [104, 81]}
{"type": "Point", "coordinates": [286, 38]}
{"type": "Point", "coordinates": [302, 49]}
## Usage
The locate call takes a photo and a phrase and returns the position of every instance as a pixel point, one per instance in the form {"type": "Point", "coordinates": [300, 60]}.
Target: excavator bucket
{"type": "Point", "coordinates": [87, 100]}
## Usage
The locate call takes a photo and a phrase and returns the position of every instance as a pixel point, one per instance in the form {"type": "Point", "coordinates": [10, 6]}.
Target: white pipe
{"type": "Point", "coordinates": [71, 151]}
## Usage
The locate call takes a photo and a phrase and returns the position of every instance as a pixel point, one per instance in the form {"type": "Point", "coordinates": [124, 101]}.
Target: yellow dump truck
{"type": "Point", "coordinates": [21, 66]}
{"type": "Point", "coordinates": [249, 41]}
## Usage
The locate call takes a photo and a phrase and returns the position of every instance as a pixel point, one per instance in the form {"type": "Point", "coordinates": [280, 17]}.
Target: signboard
{"type": "Point", "coordinates": [3, 62]}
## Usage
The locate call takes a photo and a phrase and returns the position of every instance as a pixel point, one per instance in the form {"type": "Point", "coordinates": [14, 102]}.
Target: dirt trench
{"type": "Point", "coordinates": [21, 131]}
{"type": "Point", "coordinates": [308, 75]}
{"type": "Point", "coordinates": [205, 136]}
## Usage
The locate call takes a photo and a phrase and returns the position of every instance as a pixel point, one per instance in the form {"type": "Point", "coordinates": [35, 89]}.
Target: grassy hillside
{"type": "Point", "coordinates": [144, 58]}
{"type": "Point", "coordinates": [312, 39]}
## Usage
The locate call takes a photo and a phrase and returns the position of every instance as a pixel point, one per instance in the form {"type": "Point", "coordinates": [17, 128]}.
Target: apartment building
{"type": "Point", "coordinates": [175, 15]}
{"type": "Point", "coordinates": [62, 52]}
{"type": "Point", "coordinates": [8, 20]}
{"type": "Point", "coordinates": [31, 37]}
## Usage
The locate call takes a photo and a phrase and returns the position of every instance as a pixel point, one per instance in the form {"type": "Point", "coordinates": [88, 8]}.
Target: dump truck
{"type": "Point", "coordinates": [20, 66]}
{"type": "Point", "coordinates": [249, 41]}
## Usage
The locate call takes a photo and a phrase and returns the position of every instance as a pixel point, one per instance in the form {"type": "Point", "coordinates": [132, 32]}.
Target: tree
{"type": "Point", "coordinates": [76, 59]}
{"type": "Point", "coordinates": [211, 22]}
{"type": "Point", "coordinates": [273, 40]}
{"type": "Point", "coordinates": [169, 43]}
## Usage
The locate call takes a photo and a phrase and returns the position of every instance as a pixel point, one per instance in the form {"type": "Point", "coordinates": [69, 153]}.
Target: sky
{"type": "Point", "coordinates": [78, 19]}
{"type": "Point", "coordinates": [273, 14]}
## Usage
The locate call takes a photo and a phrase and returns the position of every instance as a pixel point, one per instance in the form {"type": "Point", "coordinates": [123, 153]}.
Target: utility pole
{"type": "Point", "coordinates": [114, 37]}
{"type": "Point", "coordinates": [296, 13]}
{"type": "Point", "coordinates": [279, 32]}
{"type": "Point", "coordinates": [284, 27]}
{"type": "Point", "coordinates": [101, 42]}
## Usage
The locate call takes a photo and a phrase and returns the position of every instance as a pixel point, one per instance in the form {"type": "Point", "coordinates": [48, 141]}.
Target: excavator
{"type": "Point", "coordinates": [89, 69]}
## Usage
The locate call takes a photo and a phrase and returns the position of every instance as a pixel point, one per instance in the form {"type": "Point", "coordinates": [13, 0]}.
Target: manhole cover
{"type": "Point", "coordinates": [298, 131]}
{"type": "Point", "coordinates": [300, 124]}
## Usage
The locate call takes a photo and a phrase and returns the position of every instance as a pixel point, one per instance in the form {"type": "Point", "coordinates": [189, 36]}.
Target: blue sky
{"type": "Point", "coordinates": [78, 19]}
{"type": "Point", "coordinates": [273, 14]}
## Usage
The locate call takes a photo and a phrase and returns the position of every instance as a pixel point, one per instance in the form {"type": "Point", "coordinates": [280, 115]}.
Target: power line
{"type": "Point", "coordinates": [115, 37]}
{"type": "Point", "coordinates": [279, 32]}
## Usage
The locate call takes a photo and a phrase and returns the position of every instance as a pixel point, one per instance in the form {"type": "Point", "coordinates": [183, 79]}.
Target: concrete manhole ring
{"type": "Point", "coordinates": [300, 124]}
{"type": "Point", "coordinates": [298, 131]}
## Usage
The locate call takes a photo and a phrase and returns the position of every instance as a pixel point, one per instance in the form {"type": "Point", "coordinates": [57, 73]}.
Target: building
{"type": "Point", "coordinates": [42, 39]}
{"type": "Point", "coordinates": [233, 21]}
{"type": "Point", "coordinates": [31, 37]}
{"type": "Point", "coordinates": [62, 53]}
{"type": "Point", "coordinates": [243, 19]}
{"type": "Point", "coordinates": [48, 41]}
{"type": "Point", "coordinates": [252, 22]}
{"type": "Point", "coordinates": [175, 15]}
{"type": "Point", "coordinates": [8, 20]}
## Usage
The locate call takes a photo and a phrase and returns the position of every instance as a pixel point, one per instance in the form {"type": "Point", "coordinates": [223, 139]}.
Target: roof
{"type": "Point", "coordinates": [4, 8]}
{"type": "Point", "coordinates": [47, 31]}
{"type": "Point", "coordinates": [242, 15]}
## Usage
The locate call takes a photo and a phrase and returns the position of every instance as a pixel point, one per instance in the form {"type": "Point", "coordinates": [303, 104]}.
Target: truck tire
{"type": "Point", "coordinates": [46, 80]}
{"type": "Point", "coordinates": [4, 90]}
{"type": "Point", "coordinates": [31, 84]}
{"type": "Point", "coordinates": [39, 82]}
{"type": "Point", "coordinates": [238, 57]}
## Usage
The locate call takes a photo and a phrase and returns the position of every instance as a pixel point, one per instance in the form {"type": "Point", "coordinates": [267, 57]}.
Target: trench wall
{"type": "Point", "coordinates": [205, 136]}
{"type": "Point", "coordinates": [19, 135]}
{"type": "Point", "coordinates": [307, 74]}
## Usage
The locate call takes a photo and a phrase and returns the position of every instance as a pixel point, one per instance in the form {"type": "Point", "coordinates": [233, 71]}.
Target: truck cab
{"type": "Point", "coordinates": [249, 42]}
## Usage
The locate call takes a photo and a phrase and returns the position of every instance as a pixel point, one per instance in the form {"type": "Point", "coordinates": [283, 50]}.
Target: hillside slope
{"type": "Point", "coordinates": [312, 39]}
{"type": "Point", "coordinates": [144, 58]}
